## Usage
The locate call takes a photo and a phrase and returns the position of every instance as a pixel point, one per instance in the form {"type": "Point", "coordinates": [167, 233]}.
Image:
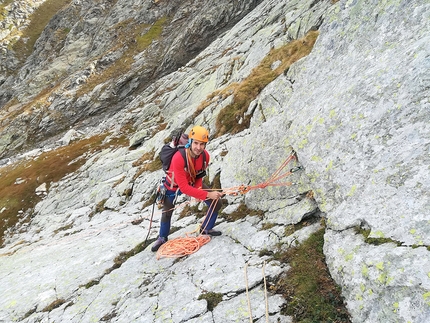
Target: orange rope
{"type": "Point", "coordinates": [183, 246]}
{"type": "Point", "coordinates": [187, 245]}
{"type": "Point", "coordinates": [271, 181]}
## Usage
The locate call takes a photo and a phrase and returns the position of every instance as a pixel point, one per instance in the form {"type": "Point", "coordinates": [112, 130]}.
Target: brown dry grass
{"type": "Point", "coordinates": [246, 91]}
{"type": "Point", "coordinates": [47, 168]}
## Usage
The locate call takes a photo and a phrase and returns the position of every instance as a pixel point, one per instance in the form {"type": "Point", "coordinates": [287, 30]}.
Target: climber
{"type": "Point", "coordinates": [185, 176]}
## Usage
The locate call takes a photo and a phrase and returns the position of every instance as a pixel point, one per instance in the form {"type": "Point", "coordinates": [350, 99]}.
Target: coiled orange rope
{"type": "Point", "coordinates": [183, 246]}
{"type": "Point", "coordinates": [187, 245]}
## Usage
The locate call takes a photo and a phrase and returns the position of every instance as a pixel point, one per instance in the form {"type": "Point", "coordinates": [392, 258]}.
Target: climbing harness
{"type": "Point", "coordinates": [187, 245]}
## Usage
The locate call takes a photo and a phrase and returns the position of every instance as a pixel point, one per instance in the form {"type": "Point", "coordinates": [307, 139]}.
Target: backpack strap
{"type": "Point", "coordinates": [202, 173]}
{"type": "Point", "coordinates": [184, 156]}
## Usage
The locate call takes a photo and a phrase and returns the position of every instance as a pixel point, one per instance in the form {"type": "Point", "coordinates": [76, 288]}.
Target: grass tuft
{"type": "Point", "coordinates": [311, 293]}
{"type": "Point", "coordinates": [148, 162]}
{"type": "Point", "coordinates": [232, 118]}
{"type": "Point", "coordinates": [123, 256]}
{"type": "Point", "coordinates": [54, 305]}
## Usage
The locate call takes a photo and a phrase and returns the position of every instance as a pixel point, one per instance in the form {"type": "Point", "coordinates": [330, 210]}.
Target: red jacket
{"type": "Point", "coordinates": [181, 177]}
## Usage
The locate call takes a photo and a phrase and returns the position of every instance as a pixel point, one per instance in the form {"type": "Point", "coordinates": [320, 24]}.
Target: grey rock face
{"type": "Point", "coordinates": [365, 141]}
{"type": "Point", "coordinates": [358, 117]}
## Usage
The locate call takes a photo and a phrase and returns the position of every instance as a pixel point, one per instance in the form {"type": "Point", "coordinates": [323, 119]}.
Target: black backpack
{"type": "Point", "coordinates": [178, 144]}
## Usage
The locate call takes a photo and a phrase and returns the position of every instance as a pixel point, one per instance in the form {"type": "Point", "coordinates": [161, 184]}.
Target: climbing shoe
{"type": "Point", "coordinates": [158, 243]}
{"type": "Point", "coordinates": [211, 232]}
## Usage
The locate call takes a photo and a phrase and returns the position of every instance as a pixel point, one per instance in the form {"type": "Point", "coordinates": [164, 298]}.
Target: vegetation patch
{"type": "Point", "coordinates": [18, 182]}
{"type": "Point", "coordinates": [108, 317]}
{"type": "Point", "coordinates": [216, 182]}
{"type": "Point", "coordinates": [65, 228]}
{"type": "Point", "coordinates": [3, 11]}
{"type": "Point", "coordinates": [192, 210]}
{"type": "Point", "coordinates": [241, 212]}
{"type": "Point", "coordinates": [212, 299]}
{"type": "Point", "coordinates": [144, 159]}
{"type": "Point", "coordinates": [132, 39]}
{"type": "Point", "coordinates": [92, 283]}
{"type": "Point", "coordinates": [232, 118]}
{"type": "Point", "coordinates": [38, 103]}
{"type": "Point", "coordinates": [311, 293]}
{"type": "Point", "coordinates": [150, 201]}
{"type": "Point", "coordinates": [123, 256]}
{"type": "Point", "coordinates": [374, 241]}
{"type": "Point", "coordinates": [54, 305]}
{"type": "Point", "coordinates": [267, 226]}
{"type": "Point", "coordinates": [38, 21]}
{"type": "Point", "coordinates": [100, 207]}
{"type": "Point", "coordinates": [290, 229]}
{"type": "Point", "coordinates": [147, 163]}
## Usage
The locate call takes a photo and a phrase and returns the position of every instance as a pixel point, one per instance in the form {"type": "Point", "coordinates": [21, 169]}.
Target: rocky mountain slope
{"type": "Point", "coordinates": [340, 85]}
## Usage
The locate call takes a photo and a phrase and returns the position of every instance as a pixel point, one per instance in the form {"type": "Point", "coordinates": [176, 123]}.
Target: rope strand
{"type": "Point", "coordinates": [265, 292]}
{"type": "Point", "coordinates": [183, 246]}
{"type": "Point", "coordinates": [247, 294]}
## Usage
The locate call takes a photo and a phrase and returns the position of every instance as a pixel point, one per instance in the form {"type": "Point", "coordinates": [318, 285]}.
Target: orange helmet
{"type": "Point", "coordinates": [199, 133]}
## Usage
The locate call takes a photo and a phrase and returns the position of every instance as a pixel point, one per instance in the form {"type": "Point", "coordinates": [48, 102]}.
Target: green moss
{"type": "Point", "coordinates": [375, 241]}
{"type": "Point", "coordinates": [123, 256]}
{"type": "Point", "coordinates": [92, 283]}
{"type": "Point", "coordinates": [212, 299]}
{"type": "Point", "coordinates": [143, 41]}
